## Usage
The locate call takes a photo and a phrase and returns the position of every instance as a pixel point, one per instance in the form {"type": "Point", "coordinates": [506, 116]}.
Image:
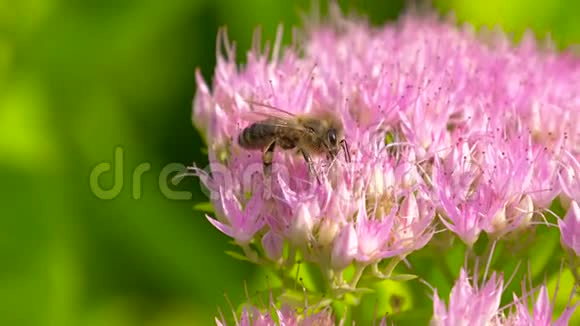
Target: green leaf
{"type": "Point", "coordinates": [237, 255]}
{"type": "Point", "coordinates": [342, 291]}
{"type": "Point", "coordinates": [291, 296]}
{"type": "Point", "coordinates": [204, 207]}
{"type": "Point", "coordinates": [402, 277]}
{"type": "Point", "coordinates": [295, 298]}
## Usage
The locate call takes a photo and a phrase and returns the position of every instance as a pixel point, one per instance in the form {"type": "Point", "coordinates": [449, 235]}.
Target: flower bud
{"type": "Point", "coordinates": [273, 245]}
{"type": "Point", "coordinates": [524, 211]}
{"type": "Point", "coordinates": [409, 209]}
{"type": "Point", "coordinates": [498, 222]}
{"type": "Point", "coordinates": [301, 226]}
{"type": "Point", "coordinates": [570, 228]}
{"type": "Point", "coordinates": [345, 248]}
{"type": "Point", "coordinates": [376, 184]}
{"type": "Point", "coordinates": [327, 232]}
{"type": "Point", "coordinates": [408, 213]}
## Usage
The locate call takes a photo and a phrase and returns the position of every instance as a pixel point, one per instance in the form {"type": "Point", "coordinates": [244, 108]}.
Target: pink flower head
{"type": "Point", "coordinates": [345, 248]}
{"type": "Point", "coordinates": [425, 121]}
{"type": "Point", "coordinates": [436, 120]}
{"type": "Point", "coordinates": [570, 176]}
{"type": "Point", "coordinates": [286, 315]}
{"type": "Point", "coordinates": [570, 228]}
{"type": "Point", "coordinates": [545, 186]}
{"type": "Point", "coordinates": [242, 222]}
{"type": "Point", "coordinates": [468, 304]}
{"type": "Point", "coordinates": [322, 318]}
{"type": "Point", "coordinates": [489, 186]}
{"type": "Point", "coordinates": [413, 224]}
{"type": "Point", "coordinates": [541, 314]}
{"type": "Point", "coordinates": [456, 182]}
{"type": "Point", "coordinates": [507, 165]}
{"type": "Point", "coordinates": [373, 233]}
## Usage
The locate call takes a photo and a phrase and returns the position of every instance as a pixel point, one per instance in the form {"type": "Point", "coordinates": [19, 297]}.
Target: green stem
{"type": "Point", "coordinates": [251, 254]}
{"type": "Point", "coordinates": [489, 251]}
{"type": "Point", "coordinates": [340, 279]}
{"type": "Point", "coordinates": [470, 254]}
{"type": "Point", "coordinates": [291, 257]}
{"type": "Point", "coordinates": [359, 269]}
{"type": "Point", "coordinates": [391, 266]}
{"type": "Point", "coordinates": [327, 274]}
{"type": "Point", "coordinates": [376, 271]}
{"type": "Point", "coordinates": [573, 265]}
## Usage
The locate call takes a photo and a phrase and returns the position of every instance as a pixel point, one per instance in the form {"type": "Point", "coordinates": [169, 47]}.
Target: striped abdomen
{"type": "Point", "coordinates": [257, 135]}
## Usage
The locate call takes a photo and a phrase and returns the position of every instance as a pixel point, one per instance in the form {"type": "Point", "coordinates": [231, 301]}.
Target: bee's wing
{"type": "Point", "coordinates": [274, 111]}
{"type": "Point", "coordinates": [260, 116]}
{"type": "Point", "coordinates": [272, 116]}
{"type": "Point", "coordinates": [282, 123]}
{"type": "Point", "coordinates": [272, 120]}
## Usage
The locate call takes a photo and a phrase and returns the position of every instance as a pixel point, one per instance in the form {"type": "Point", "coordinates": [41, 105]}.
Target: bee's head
{"type": "Point", "coordinates": [331, 139]}
{"type": "Point", "coordinates": [333, 136]}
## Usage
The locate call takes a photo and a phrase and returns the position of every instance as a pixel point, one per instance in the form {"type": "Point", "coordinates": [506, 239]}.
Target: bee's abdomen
{"type": "Point", "coordinates": [257, 136]}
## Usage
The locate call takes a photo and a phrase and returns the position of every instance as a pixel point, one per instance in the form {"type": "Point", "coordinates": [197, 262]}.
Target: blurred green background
{"type": "Point", "coordinates": [81, 78]}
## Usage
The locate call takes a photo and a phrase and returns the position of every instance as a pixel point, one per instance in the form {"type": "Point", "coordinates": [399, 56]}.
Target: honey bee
{"type": "Point", "coordinates": [318, 133]}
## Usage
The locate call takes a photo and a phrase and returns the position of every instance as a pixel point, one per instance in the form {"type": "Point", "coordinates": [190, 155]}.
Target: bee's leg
{"type": "Point", "coordinates": [330, 156]}
{"type": "Point", "coordinates": [267, 158]}
{"type": "Point", "coordinates": [310, 165]}
{"type": "Point", "coordinates": [344, 145]}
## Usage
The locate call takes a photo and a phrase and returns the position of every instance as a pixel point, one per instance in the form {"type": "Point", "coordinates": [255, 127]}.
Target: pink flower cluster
{"type": "Point", "coordinates": [473, 305]}
{"type": "Point", "coordinates": [319, 314]}
{"type": "Point", "coordinates": [254, 316]}
{"type": "Point", "coordinates": [441, 125]}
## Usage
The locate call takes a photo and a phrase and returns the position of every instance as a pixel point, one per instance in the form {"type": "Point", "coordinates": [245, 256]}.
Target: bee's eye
{"type": "Point", "coordinates": [332, 136]}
